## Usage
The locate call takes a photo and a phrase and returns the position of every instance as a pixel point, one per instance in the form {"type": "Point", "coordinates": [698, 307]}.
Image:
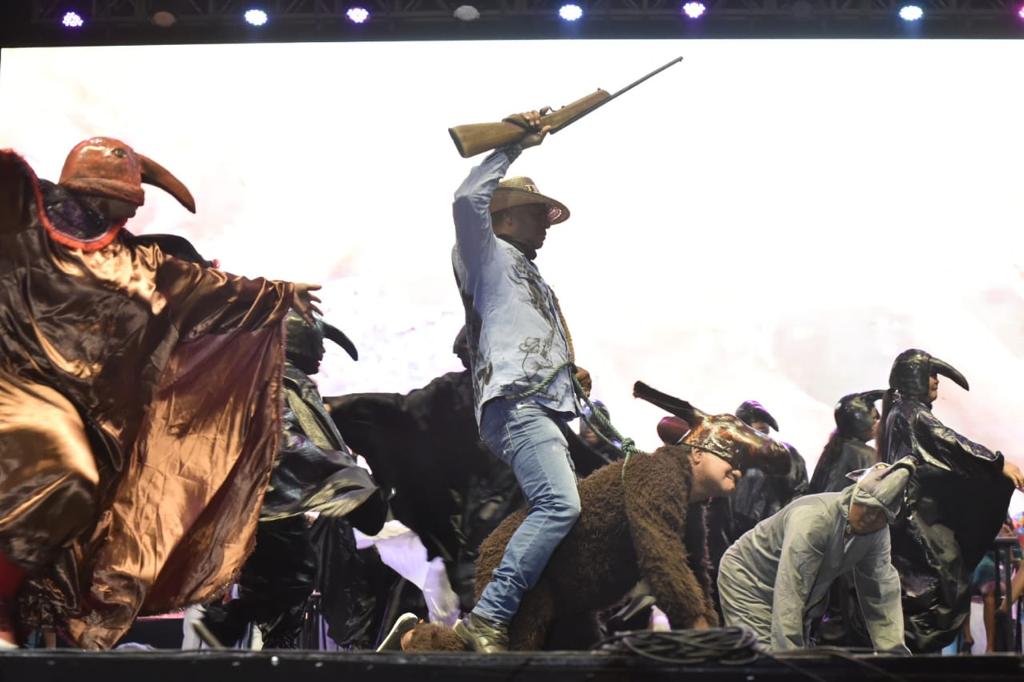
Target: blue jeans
{"type": "Point", "coordinates": [531, 441]}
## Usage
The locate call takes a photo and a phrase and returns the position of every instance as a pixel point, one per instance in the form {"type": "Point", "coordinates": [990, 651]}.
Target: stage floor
{"type": "Point", "coordinates": [310, 666]}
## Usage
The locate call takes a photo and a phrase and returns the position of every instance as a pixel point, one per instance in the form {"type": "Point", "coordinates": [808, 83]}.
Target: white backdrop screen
{"type": "Point", "coordinates": [772, 220]}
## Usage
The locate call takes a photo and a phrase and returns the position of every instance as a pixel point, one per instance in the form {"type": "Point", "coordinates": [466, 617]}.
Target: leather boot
{"type": "Point", "coordinates": [482, 635]}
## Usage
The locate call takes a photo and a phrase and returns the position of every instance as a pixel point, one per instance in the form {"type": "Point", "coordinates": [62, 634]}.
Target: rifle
{"type": "Point", "coordinates": [474, 138]}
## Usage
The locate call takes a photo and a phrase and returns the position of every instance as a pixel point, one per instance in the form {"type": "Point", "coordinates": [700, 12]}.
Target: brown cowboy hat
{"type": "Point", "coordinates": [521, 191]}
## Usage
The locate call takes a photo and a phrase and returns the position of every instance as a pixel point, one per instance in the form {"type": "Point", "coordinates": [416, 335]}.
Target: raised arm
{"type": "Point", "coordinates": [655, 497]}
{"type": "Point", "coordinates": [471, 208]}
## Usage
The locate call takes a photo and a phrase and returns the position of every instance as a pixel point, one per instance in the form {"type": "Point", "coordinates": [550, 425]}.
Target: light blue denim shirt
{"type": "Point", "coordinates": [515, 333]}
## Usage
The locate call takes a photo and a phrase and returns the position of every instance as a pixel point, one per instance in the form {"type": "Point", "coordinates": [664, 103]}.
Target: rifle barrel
{"type": "Point", "coordinates": [623, 91]}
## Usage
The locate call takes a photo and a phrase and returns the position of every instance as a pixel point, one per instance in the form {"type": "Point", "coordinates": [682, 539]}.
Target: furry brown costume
{"type": "Point", "coordinates": [635, 524]}
{"type": "Point", "coordinates": [630, 528]}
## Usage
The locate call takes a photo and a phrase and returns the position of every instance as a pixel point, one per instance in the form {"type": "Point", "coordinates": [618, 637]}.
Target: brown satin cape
{"type": "Point", "coordinates": [139, 420]}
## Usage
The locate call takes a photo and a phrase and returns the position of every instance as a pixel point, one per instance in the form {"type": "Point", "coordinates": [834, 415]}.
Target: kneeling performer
{"type": "Point", "coordinates": [776, 577]}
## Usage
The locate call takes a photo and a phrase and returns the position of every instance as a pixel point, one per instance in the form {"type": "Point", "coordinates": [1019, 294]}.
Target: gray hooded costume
{"type": "Point", "coordinates": [776, 577]}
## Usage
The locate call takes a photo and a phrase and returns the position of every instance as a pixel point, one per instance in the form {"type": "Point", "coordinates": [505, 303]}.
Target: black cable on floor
{"type": "Point", "coordinates": [730, 645]}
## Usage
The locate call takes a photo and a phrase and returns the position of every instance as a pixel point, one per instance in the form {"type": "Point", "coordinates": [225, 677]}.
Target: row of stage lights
{"type": "Point", "coordinates": [570, 12]}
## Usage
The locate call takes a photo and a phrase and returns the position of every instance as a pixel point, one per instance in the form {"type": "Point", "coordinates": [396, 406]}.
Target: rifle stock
{"type": "Point", "coordinates": [475, 138]}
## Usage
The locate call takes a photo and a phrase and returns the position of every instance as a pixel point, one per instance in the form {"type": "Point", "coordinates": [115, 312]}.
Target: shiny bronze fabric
{"type": "Point", "coordinates": [956, 503]}
{"type": "Point", "coordinates": [140, 397]}
{"type": "Point", "coordinates": [315, 472]}
{"type": "Point", "coordinates": [48, 486]}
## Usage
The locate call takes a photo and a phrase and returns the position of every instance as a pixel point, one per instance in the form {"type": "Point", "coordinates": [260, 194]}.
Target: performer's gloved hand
{"type": "Point", "coordinates": [1013, 472]}
{"type": "Point", "coordinates": [305, 301]}
{"type": "Point", "coordinates": [530, 120]}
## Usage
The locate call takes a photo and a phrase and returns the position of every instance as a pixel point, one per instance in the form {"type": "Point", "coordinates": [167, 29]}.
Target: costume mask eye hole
{"type": "Point", "coordinates": [725, 458]}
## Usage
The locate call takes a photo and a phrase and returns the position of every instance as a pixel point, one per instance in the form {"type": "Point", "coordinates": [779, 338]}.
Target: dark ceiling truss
{"type": "Point", "coordinates": [112, 21]}
{"type": "Point", "coordinates": [135, 12]}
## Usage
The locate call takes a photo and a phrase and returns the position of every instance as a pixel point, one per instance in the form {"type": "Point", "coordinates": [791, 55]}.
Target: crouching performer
{"type": "Point", "coordinates": [776, 578]}
{"type": "Point", "coordinates": [138, 403]}
{"type": "Point", "coordinates": [634, 526]}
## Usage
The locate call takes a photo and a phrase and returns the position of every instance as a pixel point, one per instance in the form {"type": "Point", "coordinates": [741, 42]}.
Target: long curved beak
{"type": "Point", "coordinates": [947, 370]}
{"type": "Point", "coordinates": [158, 176]}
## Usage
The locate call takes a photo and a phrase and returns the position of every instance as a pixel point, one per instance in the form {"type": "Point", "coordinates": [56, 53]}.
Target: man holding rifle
{"type": "Point", "coordinates": [522, 365]}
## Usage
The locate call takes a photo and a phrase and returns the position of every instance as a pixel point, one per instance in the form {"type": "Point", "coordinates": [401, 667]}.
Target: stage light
{"type": "Point", "coordinates": [357, 15]}
{"type": "Point", "coordinates": [694, 9]}
{"type": "Point", "coordinates": [911, 13]}
{"type": "Point", "coordinates": [1020, 12]}
{"type": "Point", "coordinates": [164, 19]}
{"type": "Point", "coordinates": [570, 12]}
{"type": "Point", "coordinates": [466, 13]}
{"type": "Point", "coordinates": [255, 17]}
{"type": "Point", "coordinates": [72, 20]}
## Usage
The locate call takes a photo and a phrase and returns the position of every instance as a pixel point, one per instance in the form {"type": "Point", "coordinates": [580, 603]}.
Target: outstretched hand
{"type": "Point", "coordinates": [305, 301]}
{"type": "Point", "coordinates": [530, 120]}
{"type": "Point", "coordinates": [1013, 472]}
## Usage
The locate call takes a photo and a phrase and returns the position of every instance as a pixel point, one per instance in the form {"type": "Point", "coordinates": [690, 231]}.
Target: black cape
{"type": "Point", "coordinates": [830, 474]}
{"type": "Point", "coordinates": [957, 501]}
